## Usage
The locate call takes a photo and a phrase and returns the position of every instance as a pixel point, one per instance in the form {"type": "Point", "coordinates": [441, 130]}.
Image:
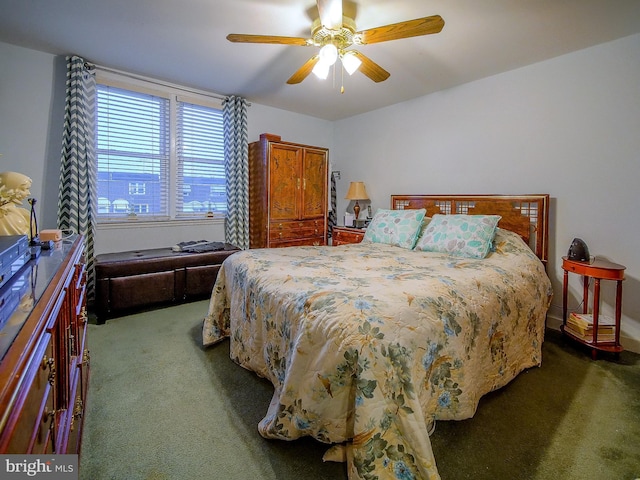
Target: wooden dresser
{"type": "Point", "coordinates": [287, 193]}
{"type": "Point", "coordinates": [44, 370]}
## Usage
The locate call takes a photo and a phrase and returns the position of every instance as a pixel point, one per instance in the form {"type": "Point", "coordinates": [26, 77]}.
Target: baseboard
{"type": "Point", "coordinates": [632, 344]}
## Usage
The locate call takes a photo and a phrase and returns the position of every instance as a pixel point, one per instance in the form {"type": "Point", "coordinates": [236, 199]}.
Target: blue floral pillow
{"type": "Point", "coordinates": [460, 235]}
{"type": "Point", "coordinates": [395, 227]}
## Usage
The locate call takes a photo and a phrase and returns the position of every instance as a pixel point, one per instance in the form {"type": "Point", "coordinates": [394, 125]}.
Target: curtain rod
{"type": "Point", "coordinates": [162, 83]}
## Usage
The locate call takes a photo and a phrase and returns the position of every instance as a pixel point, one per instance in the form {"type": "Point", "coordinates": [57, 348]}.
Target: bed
{"type": "Point", "coordinates": [368, 345]}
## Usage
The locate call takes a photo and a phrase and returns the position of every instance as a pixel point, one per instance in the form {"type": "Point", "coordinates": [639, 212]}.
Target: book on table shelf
{"type": "Point", "coordinates": [585, 320]}
{"type": "Point", "coordinates": [581, 326]}
{"type": "Point", "coordinates": [588, 337]}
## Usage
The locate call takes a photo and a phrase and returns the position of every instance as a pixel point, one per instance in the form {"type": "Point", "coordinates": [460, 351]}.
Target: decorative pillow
{"type": "Point", "coordinates": [461, 235]}
{"type": "Point", "coordinates": [423, 227]}
{"type": "Point", "coordinates": [395, 227]}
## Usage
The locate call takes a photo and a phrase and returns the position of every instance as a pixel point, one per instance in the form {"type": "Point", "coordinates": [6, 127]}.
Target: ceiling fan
{"type": "Point", "coordinates": [335, 34]}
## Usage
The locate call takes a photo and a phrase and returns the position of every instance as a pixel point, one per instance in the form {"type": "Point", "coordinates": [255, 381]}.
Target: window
{"type": "Point", "coordinates": [104, 205]}
{"type": "Point", "coordinates": [140, 208]}
{"type": "Point", "coordinates": [201, 175]}
{"type": "Point", "coordinates": [120, 205]}
{"type": "Point", "coordinates": [137, 188]}
{"type": "Point", "coordinates": [160, 153]}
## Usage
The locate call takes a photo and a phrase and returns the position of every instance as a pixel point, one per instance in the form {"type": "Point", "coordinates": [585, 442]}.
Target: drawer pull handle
{"type": "Point", "coordinates": [52, 376]}
{"type": "Point", "coordinates": [77, 413]}
{"type": "Point", "coordinates": [48, 362]}
{"type": "Point", "coordinates": [48, 415]}
{"type": "Point", "coordinates": [86, 357]}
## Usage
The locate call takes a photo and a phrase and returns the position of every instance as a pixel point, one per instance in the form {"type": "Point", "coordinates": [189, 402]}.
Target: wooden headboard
{"type": "Point", "coordinates": [527, 215]}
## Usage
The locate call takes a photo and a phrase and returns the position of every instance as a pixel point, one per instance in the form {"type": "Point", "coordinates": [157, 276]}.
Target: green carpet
{"type": "Point", "coordinates": [161, 407]}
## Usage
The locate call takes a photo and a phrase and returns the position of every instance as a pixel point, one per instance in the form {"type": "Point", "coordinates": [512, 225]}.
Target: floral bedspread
{"type": "Point", "coordinates": [368, 344]}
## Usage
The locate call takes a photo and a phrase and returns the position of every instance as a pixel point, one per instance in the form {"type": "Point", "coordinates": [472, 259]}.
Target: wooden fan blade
{"type": "Point", "coordinates": [330, 13]}
{"type": "Point", "coordinates": [371, 69]}
{"type": "Point", "coordinates": [304, 71]}
{"type": "Point", "coordinates": [241, 38]}
{"type": "Point", "coordinates": [410, 28]}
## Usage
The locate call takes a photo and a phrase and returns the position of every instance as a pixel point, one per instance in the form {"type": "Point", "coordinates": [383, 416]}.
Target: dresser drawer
{"type": "Point", "coordinates": [345, 235]}
{"type": "Point", "coordinates": [29, 426]}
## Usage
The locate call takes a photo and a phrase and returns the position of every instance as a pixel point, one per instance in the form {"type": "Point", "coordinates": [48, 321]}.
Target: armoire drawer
{"type": "Point", "coordinates": [298, 242]}
{"type": "Point", "coordinates": [296, 229]}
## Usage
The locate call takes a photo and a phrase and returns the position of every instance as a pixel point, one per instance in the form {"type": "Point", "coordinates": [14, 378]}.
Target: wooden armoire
{"type": "Point", "coordinates": [287, 193]}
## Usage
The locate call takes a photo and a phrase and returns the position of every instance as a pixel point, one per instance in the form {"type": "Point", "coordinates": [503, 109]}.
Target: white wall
{"type": "Point", "coordinates": [32, 90]}
{"type": "Point", "coordinates": [569, 127]}
{"type": "Point", "coordinates": [31, 122]}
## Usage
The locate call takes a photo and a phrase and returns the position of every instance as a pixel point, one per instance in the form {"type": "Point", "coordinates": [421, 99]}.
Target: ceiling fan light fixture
{"type": "Point", "coordinates": [350, 62]}
{"type": "Point", "coordinates": [321, 69]}
{"type": "Point", "coordinates": [331, 14]}
{"type": "Point", "coordinates": [329, 54]}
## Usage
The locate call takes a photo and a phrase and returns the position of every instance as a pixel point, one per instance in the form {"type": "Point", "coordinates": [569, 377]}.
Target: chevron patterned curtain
{"type": "Point", "coordinates": [77, 199]}
{"type": "Point", "coordinates": [236, 154]}
{"type": "Point", "coordinates": [333, 217]}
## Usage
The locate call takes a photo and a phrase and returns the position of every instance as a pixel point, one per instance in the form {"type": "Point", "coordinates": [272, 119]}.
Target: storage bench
{"type": "Point", "coordinates": [128, 281]}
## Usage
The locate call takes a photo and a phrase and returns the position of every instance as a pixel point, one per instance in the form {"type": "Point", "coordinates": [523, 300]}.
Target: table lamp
{"type": "Point", "coordinates": [357, 191]}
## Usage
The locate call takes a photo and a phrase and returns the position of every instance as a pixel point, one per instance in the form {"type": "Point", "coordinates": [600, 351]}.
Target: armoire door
{"type": "Point", "coordinates": [284, 182]}
{"type": "Point", "coordinates": [314, 183]}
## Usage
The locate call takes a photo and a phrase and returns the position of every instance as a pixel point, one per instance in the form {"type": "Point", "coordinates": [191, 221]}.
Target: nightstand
{"type": "Point", "coordinates": [344, 235]}
{"type": "Point", "coordinates": [598, 270]}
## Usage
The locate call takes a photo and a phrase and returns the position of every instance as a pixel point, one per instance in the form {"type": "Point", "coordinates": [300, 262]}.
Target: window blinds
{"type": "Point", "coordinates": [200, 160]}
{"type": "Point", "coordinates": [133, 153]}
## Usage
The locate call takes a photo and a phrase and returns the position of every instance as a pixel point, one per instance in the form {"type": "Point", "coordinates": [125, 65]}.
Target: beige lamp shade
{"type": "Point", "coordinates": [356, 192]}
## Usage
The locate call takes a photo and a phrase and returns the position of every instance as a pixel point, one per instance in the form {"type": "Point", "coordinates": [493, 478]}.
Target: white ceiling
{"type": "Point", "coordinates": [183, 42]}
